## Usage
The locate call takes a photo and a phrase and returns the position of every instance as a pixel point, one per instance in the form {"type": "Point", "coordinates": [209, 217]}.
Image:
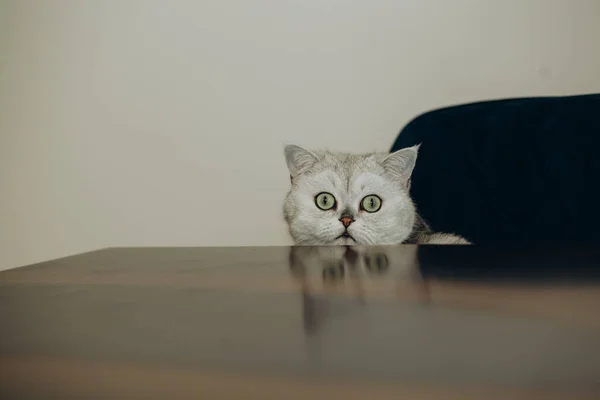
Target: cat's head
{"type": "Point", "coordinates": [347, 199]}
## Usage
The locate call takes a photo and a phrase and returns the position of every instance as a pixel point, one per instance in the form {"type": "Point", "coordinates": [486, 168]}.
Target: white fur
{"type": "Point", "coordinates": [349, 178]}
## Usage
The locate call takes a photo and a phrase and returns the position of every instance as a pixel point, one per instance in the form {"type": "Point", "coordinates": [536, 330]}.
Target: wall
{"type": "Point", "coordinates": [150, 122]}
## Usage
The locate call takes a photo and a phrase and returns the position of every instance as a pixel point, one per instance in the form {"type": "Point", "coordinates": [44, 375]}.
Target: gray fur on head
{"type": "Point", "coordinates": [349, 179]}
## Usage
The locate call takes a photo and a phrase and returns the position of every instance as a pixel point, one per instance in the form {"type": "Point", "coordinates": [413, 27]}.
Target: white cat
{"type": "Point", "coordinates": [347, 199]}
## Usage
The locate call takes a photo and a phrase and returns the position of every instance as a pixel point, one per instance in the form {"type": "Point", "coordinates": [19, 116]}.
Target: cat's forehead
{"type": "Point", "coordinates": [348, 165]}
{"type": "Point", "coordinates": [351, 173]}
{"type": "Point", "coordinates": [348, 180]}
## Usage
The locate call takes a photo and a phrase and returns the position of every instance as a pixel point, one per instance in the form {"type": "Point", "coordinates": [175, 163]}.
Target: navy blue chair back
{"type": "Point", "coordinates": [518, 171]}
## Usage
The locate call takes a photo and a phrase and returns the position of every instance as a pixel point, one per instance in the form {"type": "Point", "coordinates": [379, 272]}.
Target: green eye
{"type": "Point", "coordinates": [325, 201]}
{"type": "Point", "coordinates": [371, 203]}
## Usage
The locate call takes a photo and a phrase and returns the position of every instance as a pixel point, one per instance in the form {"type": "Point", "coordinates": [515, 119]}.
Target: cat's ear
{"type": "Point", "coordinates": [298, 159]}
{"type": "Point", "coordinates": [400, 164]}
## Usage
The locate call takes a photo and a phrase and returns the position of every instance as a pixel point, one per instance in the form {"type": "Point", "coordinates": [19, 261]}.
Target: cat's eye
{"type": "Point", "coordinates": [371, 203]}
{"type": "Point", "coordinates": [325, 201]}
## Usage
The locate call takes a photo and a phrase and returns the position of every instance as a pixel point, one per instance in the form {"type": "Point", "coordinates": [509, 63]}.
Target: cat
{"type": "Point", "coordinates": [350, 199]}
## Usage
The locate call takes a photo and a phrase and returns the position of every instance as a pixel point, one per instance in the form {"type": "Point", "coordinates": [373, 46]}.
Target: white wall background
{"type": "Point", "coordinates": [156, 122]}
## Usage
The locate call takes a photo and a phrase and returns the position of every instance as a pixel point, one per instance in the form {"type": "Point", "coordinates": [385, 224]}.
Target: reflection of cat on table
{"type": "Point", "coordinates": [325, 272]}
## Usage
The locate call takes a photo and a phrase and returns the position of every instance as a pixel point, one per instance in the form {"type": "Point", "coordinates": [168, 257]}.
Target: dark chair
{"type": "Point", "coordinates": [518, 171]}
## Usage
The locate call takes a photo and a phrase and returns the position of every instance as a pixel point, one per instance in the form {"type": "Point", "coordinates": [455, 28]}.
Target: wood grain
{"type": "Point", "coordinates": [300, 322]}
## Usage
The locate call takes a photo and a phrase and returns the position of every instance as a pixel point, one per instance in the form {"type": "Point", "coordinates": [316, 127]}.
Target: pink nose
{"type": "Point", "coordinates": [346, 221]}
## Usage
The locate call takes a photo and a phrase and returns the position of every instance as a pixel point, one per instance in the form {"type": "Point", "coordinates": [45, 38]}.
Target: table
{"type": "Point", "coordinates": [429, 322]}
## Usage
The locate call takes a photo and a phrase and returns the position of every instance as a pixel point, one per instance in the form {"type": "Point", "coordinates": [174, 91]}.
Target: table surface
{"type": "Point", "coordinates": [429, 322]}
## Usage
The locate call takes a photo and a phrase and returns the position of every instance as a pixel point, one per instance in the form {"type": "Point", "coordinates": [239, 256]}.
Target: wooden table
{"type": "Point", "coordinates": [432, 322]}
